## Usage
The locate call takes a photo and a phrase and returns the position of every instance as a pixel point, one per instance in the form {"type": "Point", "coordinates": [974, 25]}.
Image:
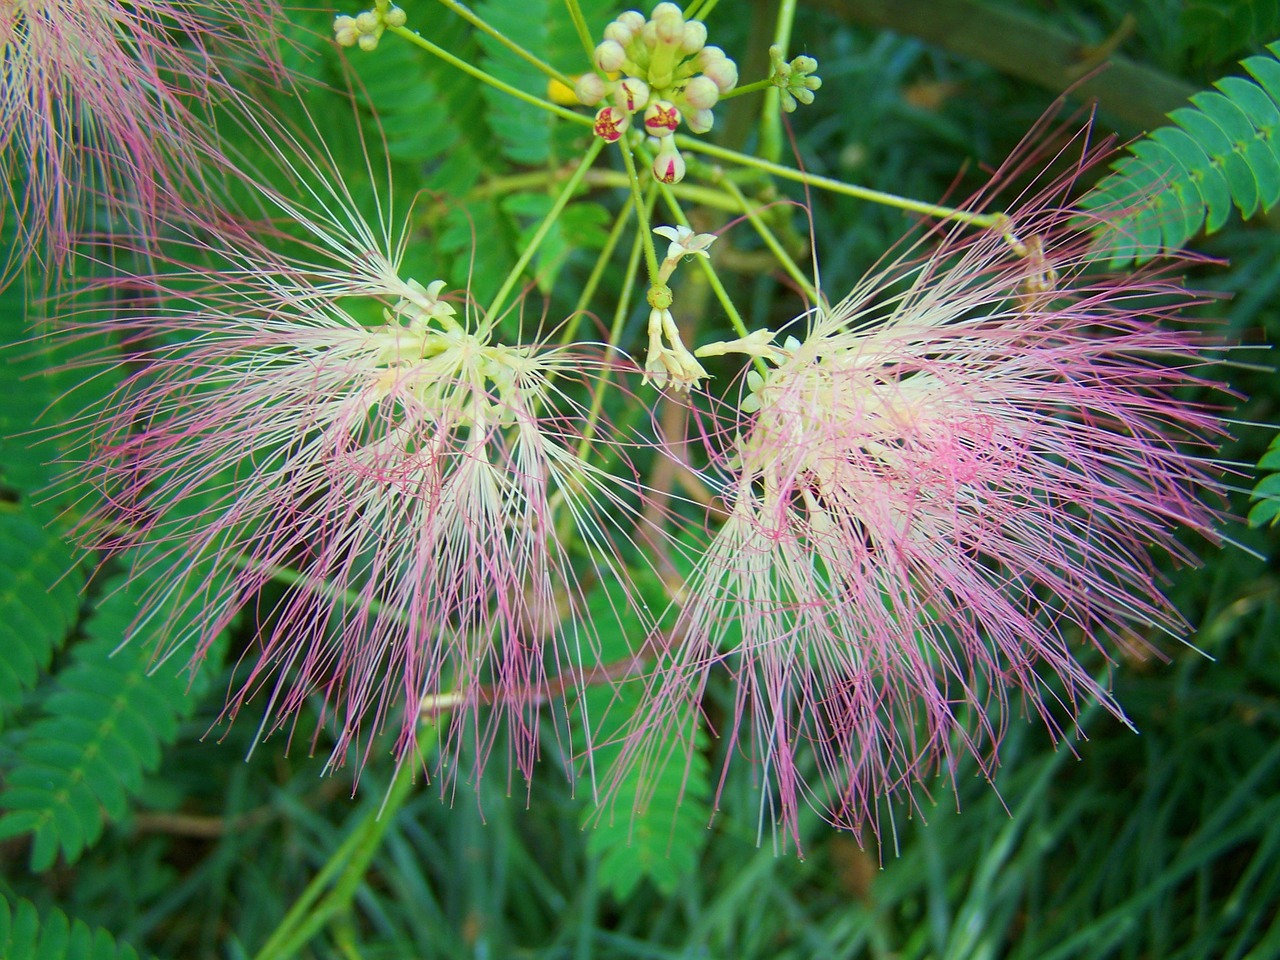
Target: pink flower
{"type": "Point", "coordinates": [947, 486]}
{"type": "Point", "coordinates": [101, 102]}
{"type": "Point", "coordinates": [415, 478]}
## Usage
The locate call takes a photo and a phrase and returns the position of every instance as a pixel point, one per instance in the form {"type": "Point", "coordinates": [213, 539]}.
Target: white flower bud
{"type": "Point", "coordinates": [395, 17]}
{"type": "Point", "coordinates": [709, 55]}
{"type": "Point", "coordinates": [590, 89]}
{"type": "Point", "coordinates": [368, 42]}
{"type": "Point", "coordinates": [695, 37]}
{"type": "Point", "coordinates": [723, 72]}
{"type": "Point", "coordinates": [701, 93]}
{"type": "Point", "coordinates": [668, 165]}
{"type": "Point", "coordinates": [632, 94]}
{"type": "Point", "coordinates": [344, 31]}
{"type": "Point", "coordinates": [610, 56]}
{"type": "Point", "coordinates": [367, 22]}
{"type": "Point", "coordinates": [700, 121]}
{"type": "Point", "coordinates": [619, 33]}
{"type": "Point", "coordinates": [668, 24]}
{"type": "Point", "coordinates": [633, 20]}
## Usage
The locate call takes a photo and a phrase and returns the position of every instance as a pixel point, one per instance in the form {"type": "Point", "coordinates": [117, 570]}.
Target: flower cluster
{"type": "Point", "coordinates": [796, 81]}
{"type": "Point", "coordinates": [366, 29]}
{"type": "Point", "coordinates": [668, 75]}
{"type": "Point", "coordinates": [950, 479]}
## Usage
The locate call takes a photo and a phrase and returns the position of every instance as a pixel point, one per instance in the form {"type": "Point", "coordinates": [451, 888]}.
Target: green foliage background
{"type": "Point", "coordinates": [126, 806]}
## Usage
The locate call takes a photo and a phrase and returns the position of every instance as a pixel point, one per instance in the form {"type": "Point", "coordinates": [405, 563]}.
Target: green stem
{"type": "Point", "coordinates": [615, 332]}
{"type": "Point", "coordinates": [584, 32]}
{"type": "Point", "coordinates": [516, 182]}
{"type": "Point", "coordinates": [838, 186]}
{"type": "Point", "coordinates": [771, 115]}
{"type": "Point", "coordinates": [566, 194]}
{"type": "Point", "coordinates": [765, 84]}
{"type": "Point", "coordinates": [713, 278]}
{"type": "Point", "coordinates": [466, 14]}
{"type": "Point", "coordinates": [633, 178]}
{"type": "Point", "coordinates": [349, 864]}
{"type": "Point", "coordinates": [420, 41]}
{"type": "Point", "coordinates": [771, 241]}
{"type": "Point", "coordinates": [597, 272]}
{"type": "Point", "coordinates": [700, 9]}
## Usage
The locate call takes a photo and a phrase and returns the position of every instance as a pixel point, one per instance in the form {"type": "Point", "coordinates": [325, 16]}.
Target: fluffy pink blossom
{"type": "Point", "coordinates": [417, 480]}
{"type": "Point", "coordinates": [101, 103]}
{"type": "Point", "coordinates": [942, 488]}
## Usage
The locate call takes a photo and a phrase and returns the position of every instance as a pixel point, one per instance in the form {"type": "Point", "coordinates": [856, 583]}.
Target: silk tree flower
{"type": "Point", "coordinates": [418, 480]}
{"type": "Point", "coordinates": [101, 103]}
{"type": "Point", "coordinates": [938, 492]}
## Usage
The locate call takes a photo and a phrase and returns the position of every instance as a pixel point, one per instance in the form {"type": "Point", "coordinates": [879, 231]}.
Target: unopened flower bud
{"type": "Point", "coordinates": [620, 33]}
{"type": "Point", "coordinates": [803, 64]}
{"type": "Point", "coordinates": [367, 22]}
{"type": "Point", "coordinates": [395, 17]}
{"type": "Point", "coordinates": [661, 119]}
{"type": "Point", "coordinates": [344, 31]}
{"type": "Point", "coordinates": [610, 56]}
{"type": "Point", "coordinates": [668, 165]}
{"type": "Point", "coordinates": [709, 55]}
{"type": "Point", "coordinates": [668, 24]}
{"type": "Point", "coordinates": [701, 93]}
{"type": "Point", "coordinates": [633, 20]}
{"type": "Point", "coordinates": [590, 89]}
{"type": "Point", "coordinates": [610, 124]}
{"type": "Point", "coordinates": [722, 71]}
{"type": "Point", "coordinates": [700, 121]}
{"type": "Point", "coordinates": [695, 37]}
{"type": "Point", "coordinates": [632, 94]}
{"type": "Point", "coordinates": [368, 42]}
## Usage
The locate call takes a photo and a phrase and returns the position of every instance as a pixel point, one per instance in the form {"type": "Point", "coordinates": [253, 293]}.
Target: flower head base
{"type": "Point", "coordinates": [933, 495]}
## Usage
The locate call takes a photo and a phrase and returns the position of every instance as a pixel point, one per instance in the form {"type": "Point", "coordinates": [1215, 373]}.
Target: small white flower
{"type": "Point", "coordinates": [685, 243]}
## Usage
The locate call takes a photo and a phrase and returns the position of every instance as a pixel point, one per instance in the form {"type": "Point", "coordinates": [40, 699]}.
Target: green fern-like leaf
{"type": "Point", "coordinates": [106, 723]}
{"type": "Point", "coordinates": [526, 134]}
{"type": "Point", "coordinates": [581, 226]}
{"type": "Point", "coordinates": [25, 935]}
{"type": "Point", "coordinates": [431, 114]}
{"type": "Point", "coordinates": [1267, 510]}
{"type": "Point", "coordinates": [39, 599]}
{"type": "Point", "coordinates": [1223, 152]}
{"type": "Point", "coordinates": [662, 841]}
{"type": "Point", "coordinates": [661, 837]}
{"type": "Point", "coordinates": [45, 391]}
